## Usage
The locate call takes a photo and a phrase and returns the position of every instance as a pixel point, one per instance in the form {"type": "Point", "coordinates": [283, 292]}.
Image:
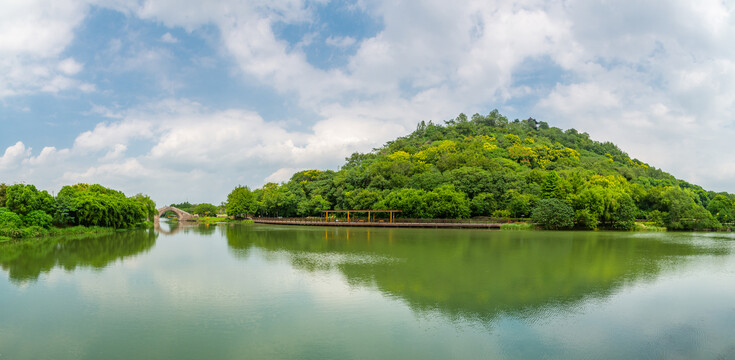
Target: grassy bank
{"type": "Point", "coordinates": [29, 232]}
{"type": "Point", "coordinates": [37, 231]}
{"type": "Point", "coordinates": [648, 226]}
{"type": "Point", "coordinates": [217, 220]}
{"type": "Point", "coordinates": [518, 226]}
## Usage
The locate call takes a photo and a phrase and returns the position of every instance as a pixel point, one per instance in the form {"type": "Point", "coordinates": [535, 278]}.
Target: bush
{"type": "Point", "coordinates": [38, 218]}
{"type": "Point", "coordinates": [22, 199]}
{"type": "Point", "coordinates": [553, 214]}
{"type": "Point", "coordinates": [586, 220]}
{"type": "Point", "coordinates": [501, 214]}
{"type": "Point", "coordinates": [658, 218]}
{"type": "Point", "coordinates": [445, 202]}
{"type": "Point", "coordinates": [483, 204]}
{"type": "Point", "coordinates": [9, 219]}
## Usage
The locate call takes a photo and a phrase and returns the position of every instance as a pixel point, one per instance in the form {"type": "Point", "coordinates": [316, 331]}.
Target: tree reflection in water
{"type": "Point", "coordinates": [476, 274]}
{"type": "Point", "coordinates": [26, 260]}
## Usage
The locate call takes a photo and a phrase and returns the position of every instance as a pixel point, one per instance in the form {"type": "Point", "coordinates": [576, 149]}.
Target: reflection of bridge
{"type": "Point", "coordinates": [181, 214]}
{"type": "Point", "coordinates": [171, 230]}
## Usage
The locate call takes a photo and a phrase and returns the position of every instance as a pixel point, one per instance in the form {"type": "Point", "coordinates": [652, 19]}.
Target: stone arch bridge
{"type": "Point", "coordinates": [181, 214]}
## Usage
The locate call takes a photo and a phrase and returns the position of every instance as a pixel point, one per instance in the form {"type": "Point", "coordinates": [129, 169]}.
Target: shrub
{"type": "Point", "coordinates": [38, 218]}
{"type": "Point", "coordinates": [553, 214]}
{"type": "Point", "coordinates": [9, 219]}
{"type": "Point", "coordinates": [586, 220]}
{"type": "Point", "coordinates": [483, 204]}
{"type": "Point", "coordinates": [501, 214]}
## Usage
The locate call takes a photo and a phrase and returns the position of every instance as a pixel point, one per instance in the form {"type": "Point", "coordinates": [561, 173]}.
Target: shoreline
{"type": "Point", "coordinates": [383, 224]}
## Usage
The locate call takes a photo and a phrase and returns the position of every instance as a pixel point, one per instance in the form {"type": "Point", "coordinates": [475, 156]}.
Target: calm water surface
{"type": "Point", "coordinates": [262, 292]}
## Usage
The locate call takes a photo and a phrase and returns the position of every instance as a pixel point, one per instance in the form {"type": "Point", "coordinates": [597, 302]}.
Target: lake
{"type": "Point", "coordinates": [286, 292]}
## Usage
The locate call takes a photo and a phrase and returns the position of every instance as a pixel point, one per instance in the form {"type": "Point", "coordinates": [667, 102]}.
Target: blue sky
{"type": "Point", "coordinates": [184, 100]}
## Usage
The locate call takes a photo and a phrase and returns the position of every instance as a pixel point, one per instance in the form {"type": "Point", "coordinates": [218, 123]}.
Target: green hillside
{"type": "Point", "coordinates": [487, 166]}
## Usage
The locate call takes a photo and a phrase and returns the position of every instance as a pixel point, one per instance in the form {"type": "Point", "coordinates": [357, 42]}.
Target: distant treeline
{"type": "Point", "coordinates": [487, 166]}
{"type": "Point", "coordinates": [203, 209]}
{"type": "Point", "coordinates": [26, 211]}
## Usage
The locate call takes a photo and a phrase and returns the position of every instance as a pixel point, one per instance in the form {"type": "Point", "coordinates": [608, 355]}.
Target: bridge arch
{"type": "Point", "coordinates": [183, 215]}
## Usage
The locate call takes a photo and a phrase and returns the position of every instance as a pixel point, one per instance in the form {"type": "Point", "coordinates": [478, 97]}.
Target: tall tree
{"type": "Point", "coordinates": [240, 202]}
{"type": "Point", "coordinates": [552, 187]}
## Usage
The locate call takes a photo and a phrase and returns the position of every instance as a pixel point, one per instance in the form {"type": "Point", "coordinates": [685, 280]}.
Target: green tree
{"type": "Point", "coordinates": [184, 206]}
{"type": "Point", "coordinates": [518, 204]}
{"type": "Point", "coordinates": [96, 205]}
{"type": "Point", "coordinates": [551, 187]}
{"type": "Point", "coordinates": [447, 203]}
{"type": "Point", "coordinates": [470, 180]}
{"type": "Point", "coordinates": [411, 202]}
{"type": "Point", "coordinates": [684, 213]}
{"type": "Point", "coordinates": [361, 199]}
{"type": "Point", "coordinates": [38, 218]}
{"type": "Point", "coordinates": [576, 182]}
{"type": "Point", "coordinates": [483, 204]}
{"type": "Point", "coordinates": [313, 206]}
{"type": "Point", "coordinates": [22, 199]}
{"type": "Point", "coordinates": [428, 180]}
{"type": "Point", "coordinates": [240, 202]}
{"type": "Point", "coordinates": [3, 188]}
{"type": "Point", "coordinates": [722, 208]}
{"type": "Point", "coordinates": [585, 219]}
{"type": "Point", "coordinates": [207, 209]}
{"type": "Point", "coordinates": [553, 214]}
{"type": "Point", "coordinates": [63, 212]}
{"type": "Point", "coordinates": [9, 219]}
{"type": "Point", "coordinates": [622, 214]}
{"type": "Point", "coordinates": [147, 206]}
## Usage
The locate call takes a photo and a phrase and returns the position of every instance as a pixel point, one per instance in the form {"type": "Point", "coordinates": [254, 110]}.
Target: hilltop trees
{"type": "Point", "coordinates": [486, 165]}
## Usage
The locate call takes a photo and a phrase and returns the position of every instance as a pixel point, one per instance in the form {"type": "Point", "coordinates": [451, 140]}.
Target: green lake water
{"type": "Point", "coordinates": [282, 292]}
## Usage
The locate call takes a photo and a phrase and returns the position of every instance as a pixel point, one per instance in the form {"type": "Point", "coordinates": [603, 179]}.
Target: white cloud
{"type": "Point", "coordinates": [109, 135]}
{"type": "Point", "coordinates": [656, 78]}
{"type": "Point", "coordinates": [168, 38]}
{"type": "Point", "coordinates": [169, 147]}
{"type": "Point", "coordinates": [48, 156]}
{"type": "Point", "coordinates": [281, 175]}
{"type": "Point", "coordinates": [70, 66]}
{"type": "Point", "coordinates": [14, 155]}
{"type": "Point", "coordinates": [340, 41]}
{"type": "Point", "coordinates": [35, 32]}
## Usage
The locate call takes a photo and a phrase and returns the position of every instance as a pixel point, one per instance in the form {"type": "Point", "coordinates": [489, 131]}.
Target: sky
{"type": "Point", "coordinates": [185, 99]}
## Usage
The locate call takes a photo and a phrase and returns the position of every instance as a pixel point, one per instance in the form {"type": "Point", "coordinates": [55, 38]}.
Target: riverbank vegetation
{"type": "Point", "coordinates": [203, 209]}
{"type": "Point", "coordinates": [492, 167]}
{"type": "Point", "coordinates": [27, 212]}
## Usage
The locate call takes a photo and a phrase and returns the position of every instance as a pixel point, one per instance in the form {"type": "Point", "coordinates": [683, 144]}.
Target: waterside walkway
{"type": "Point", "coordinates": [469, 225]}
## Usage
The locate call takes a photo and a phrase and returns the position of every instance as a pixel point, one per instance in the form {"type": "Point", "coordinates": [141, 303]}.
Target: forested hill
{"type": "Point", "coordinates": [489, 166]}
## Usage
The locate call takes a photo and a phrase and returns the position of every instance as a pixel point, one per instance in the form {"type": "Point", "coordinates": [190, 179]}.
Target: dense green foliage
{"type": "Point", "coordinates": [240, 202]}
{"type": "Point", "coordinates": [553, 214]}
{"type": "Point", "coordinates": [489, 166]}
{"type": "Point", "coordinates": [22, 199]}
{"type": "Point", "coordinates": [28, 212]}
{"type": "Point", "coordinates": [205, 209]}
{"type": "Point", "coordinates": [185, 206]}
